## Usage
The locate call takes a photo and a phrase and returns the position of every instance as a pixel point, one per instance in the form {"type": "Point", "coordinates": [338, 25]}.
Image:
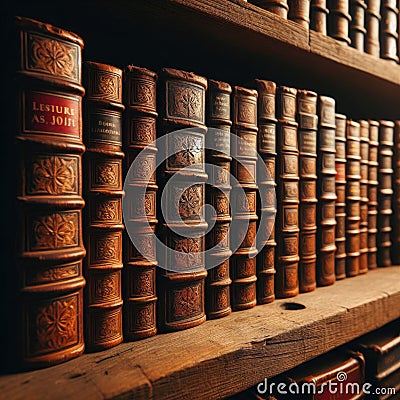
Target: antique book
{"type": "Point", "coordinates": [278, 7]}
{"type": "Point", "coordinates": [385, 192]}
{"type": "Point", "coordinates": [396, 199]}
{"type": "Point", "coordinates": [102, 162]}
{"type": "Point", "coordinates": [353, 176]}
{"type": "Point", "coordinates": [299, 11]}
{"type": "Point", "coordinates": [357, 24]}
{"type": "Point", "coordinates": [266, 207]}
{"type": "Point", "coordinates": [181, 273]}
{"type": "Point", "coordinates": [373, 193]}
{"type": "Point", "coordinates": [48, 158]}
{"type": "Point", "coordinates": [307, 140]}
{"type": "Point", "coordinates": [139, 255]}
{"type": "Point", "coordinates": [244, 198]}
{"type": "Point", "coordinates": [372, 23]}
{"type": "Point", "coordinates": [326, 192]}
{"type": "Point", "coordinates": [218, 148]}
{"type": "Point", "coordinates": [389, 33]}
{"type": "Point", "coordinates": [287, 179]}
{"type": "Point", "coordinates": [364, 165]}
{"type": "Point", "coordinates": [340, 205]}
{"type": "Point", "coordinates": [318, 16]}
{"type": "Point", "coordinates": [339, 20]}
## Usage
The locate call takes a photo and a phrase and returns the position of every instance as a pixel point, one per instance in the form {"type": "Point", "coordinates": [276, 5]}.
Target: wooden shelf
{"type": "Point", "coordinates": [225, 356]}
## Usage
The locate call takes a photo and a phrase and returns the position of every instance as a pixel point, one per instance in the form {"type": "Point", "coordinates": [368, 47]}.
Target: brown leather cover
{"type": "Point", "coordinates": [396, 201]}
{"type": "Point", "coordinates": [326, 192]}
{"type": "Point", "coordinates": [389, 30]}
{"type": "Point", "coordinates": [307, 139]}
{"type": "Point", "coordinates": [372, 22]}
{"type": "Point", "coordinates": [299, 11]}
{"type": "Point", "coordinates": [287, 179]}
{"type": "Point", "coordinates": [357, 24]}
{"type": "Point", "coordinates": [340, 206]}
{"type": "Point", "coordinates": [267, 150]}
{"type": "Point", "coordinates": [181, 294]}
{"type": "Point", "coordinates": [218, 303]}
{"type": "Point", "coordinates": [278, 7]}
{"type": "Point", "coordinates": [49, 245]}
{"type": "Point", "coordinates": [339, 20]}
{"type": "Point", "coordinates": [385, 192]}
{"type": "Point", "coordinates": [140, 262]}
{"type": "Point", "coordinates": [243, 261]}
{"type": "Point", "coordinates": [103, 212]}
{"type": "Point", "coordinates": [318, 16]}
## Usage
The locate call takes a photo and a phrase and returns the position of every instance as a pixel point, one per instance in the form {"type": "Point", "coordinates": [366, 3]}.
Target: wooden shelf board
{"type": "Point", "coordinates": [225, 356]}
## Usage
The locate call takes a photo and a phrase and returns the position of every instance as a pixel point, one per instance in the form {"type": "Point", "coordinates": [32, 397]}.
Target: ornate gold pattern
{"type": "Point", "coordinates": [186, 102]}
{"type": "Point", "coordinates": [107, 211]}
{"type": "Point", "coordinates": [187, 301]}
{"type": "Point", "coordinates": [108, 84]}
{"type": "Point", "coordinates": [190, 202]}
{"type": "Point", "coordinates": [107, 174]}
{"type": "Point", "coordinates": [188, 252]}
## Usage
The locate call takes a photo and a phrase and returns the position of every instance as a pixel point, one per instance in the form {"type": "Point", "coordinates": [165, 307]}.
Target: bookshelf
{"type": "Point", "coordinates": [234, 41]}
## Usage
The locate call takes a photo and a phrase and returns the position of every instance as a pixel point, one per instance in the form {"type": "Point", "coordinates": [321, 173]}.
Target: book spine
{"type": "Point", "coordinates": [339, 20]}
{"type": "Point", "coordinates": [299, 11]}
{"type": "Point", "coordinates": [396, 200]}
{"type": "Point", "coordinates": [318, 16]}
{"type": "Point", "coordinates": [266, 243]}
{"type": "Point", "coordinates": [340, 206]}
{"type": "Point", "coordinates": [287, 179]}
{"type": "Point", "coordinates": [373, 193]}
{"type": "Point", "coordinates": [385, 192]}
{"type": "Point", "coordinates": [372, 23]}
{"type": "Point", "coordinates": [326, 195]}
{"type": "Point", "coordinates": [278, 7]}
{"type": "Point", "coordinates": [103, 214]}
{"type": "Point", "coordinates": [364, 166]}
{"type": "Point", "coordinates": [244, 194]}
{"type": "Point", "coordinates": [389, 34]}
{"type": "Point", "coordinates": [139, 254]}
{"type": "Point", "coordinates": [307, 140]}
{"type": "Point", "coordinates": [49, 148]}
{"type": "Point", "coordinates": [357, 24]}
{"type": "Point", "coordinates": [181, 278]}
{"type": "Point", "coordinates": [218, 159]}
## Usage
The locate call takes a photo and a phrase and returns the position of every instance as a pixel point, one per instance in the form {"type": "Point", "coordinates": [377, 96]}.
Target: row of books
{"type": "Point", "coordinates": [85, 282]}
{"type": "Point", "coordinates": [370, 26]}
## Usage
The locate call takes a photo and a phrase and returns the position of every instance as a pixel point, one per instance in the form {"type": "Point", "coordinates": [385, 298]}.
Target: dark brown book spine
{"type": "Point", "coordinates": [326, 194]}
{"type": "Point", "coordinates": [364, 166]}
{"type": "Point", "coordinates": [139, 256]}
{"type": "Point", "coordinates": [318, 16]}
{"type": "Point", "coordinates": [244, 194]}
{"type": "Point", "coordinates": [307, 139]}
{"type": "Point", "coordinates": [182, 273]}
{"type": "Point", "coordinates": [103, 212]}
{"type": "Point", "coordinates": [287, 179]}
{"type": "Point", "coordinates": [373, 193]}
{"type": "Point", "coordinates": [372, 22]}
{"type": "Point", "coordinates": [357, 24]}
{"type": "Point", "coordinates": [339, 20]}
{"type": "Point", "coordinates": [299, 11]}
{"type": "Point", "coordinates": [396, 199]}
{"type": "Point", "coordinates": [340, 206]}
{"type": "Point", "coordinates": [389, 34]}
{"type": "Point", "coordinates": [353, 176]}
{"type": "Point", "coordinates": [385, 192]}
{"type": "Point", "coordinates": [266, 243]}
{"type": "Point", "coordinates": [218, 303]}
{"type": "Point", "coordinates": [278, 7]}
{"type": "Point", "coordinates": [48, 151]}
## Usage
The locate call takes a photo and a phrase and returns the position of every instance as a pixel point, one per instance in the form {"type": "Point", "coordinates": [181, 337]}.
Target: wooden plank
{"type": "Point", "coordinates": [222, 357]}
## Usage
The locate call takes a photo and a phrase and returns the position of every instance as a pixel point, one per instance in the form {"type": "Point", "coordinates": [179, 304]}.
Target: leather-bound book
{"type": "Point", "coordinates": [326, 192]}
{"type": "Point", "coordinates": [244, 198]}
{"type": "Point", "coordinates": [396, 200]}
{"type": "Point", "coordinates": [182, 272]}
{"type": "Point", "coordinates": [287, 179]}
{"type": "Point", "coordinates": [389, 33]}
{"type": "Point", "coordinates": [340, 206]}
{"type": "Point", "coordinates": [318, 16]}
{"type": "Point", "coordinates": [372, 23]}
{"type": "Point", "coordinates": [218, 159]}
{"type": "Point", "coordinates": [140, 217]}
{"type": "Point", "coordinates": [364, 166]}
{"type": "Point", "coordinates": [299, 11]}
{"type": "Point", "coordinates": [385, 192]}
{"type": "Point", "coordinates": [373, 192]}
{"type": "Point", "coordinates": [307, 139]}
{"type": "Point", "coordinates": [278, 7]}
{"type": "Point", "coordinates": [357, 24]}
{"type": "Point", "coordinates": [266, 243]}
{"type": "Point", "coordinates": [103, 228]}
{"type": "Point", "coordinates": [353, 176]}
{"type": "Point", "coordinates": [339, 20]}
{"type": "Point", "coordinates": [48, 158]}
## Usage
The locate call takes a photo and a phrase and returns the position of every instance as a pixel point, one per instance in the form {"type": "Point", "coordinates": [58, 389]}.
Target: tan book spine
{"type": "Point", "coordinates": [389, 34]}
{"type": "Point", "coordinates": [299, 11]}
{"type": "Point", "coordinates": [357, 24]}
{"type": "Point", "coordinates": [372, 23]}
{"type": "Point", "coordinates": [318, 16]}
{"type": "Point", "coordinates": [396, 200]}
{"type": "Point", "coordinates": [339, 20]}
{"type": "Point", "coordinates": [278, 7]}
